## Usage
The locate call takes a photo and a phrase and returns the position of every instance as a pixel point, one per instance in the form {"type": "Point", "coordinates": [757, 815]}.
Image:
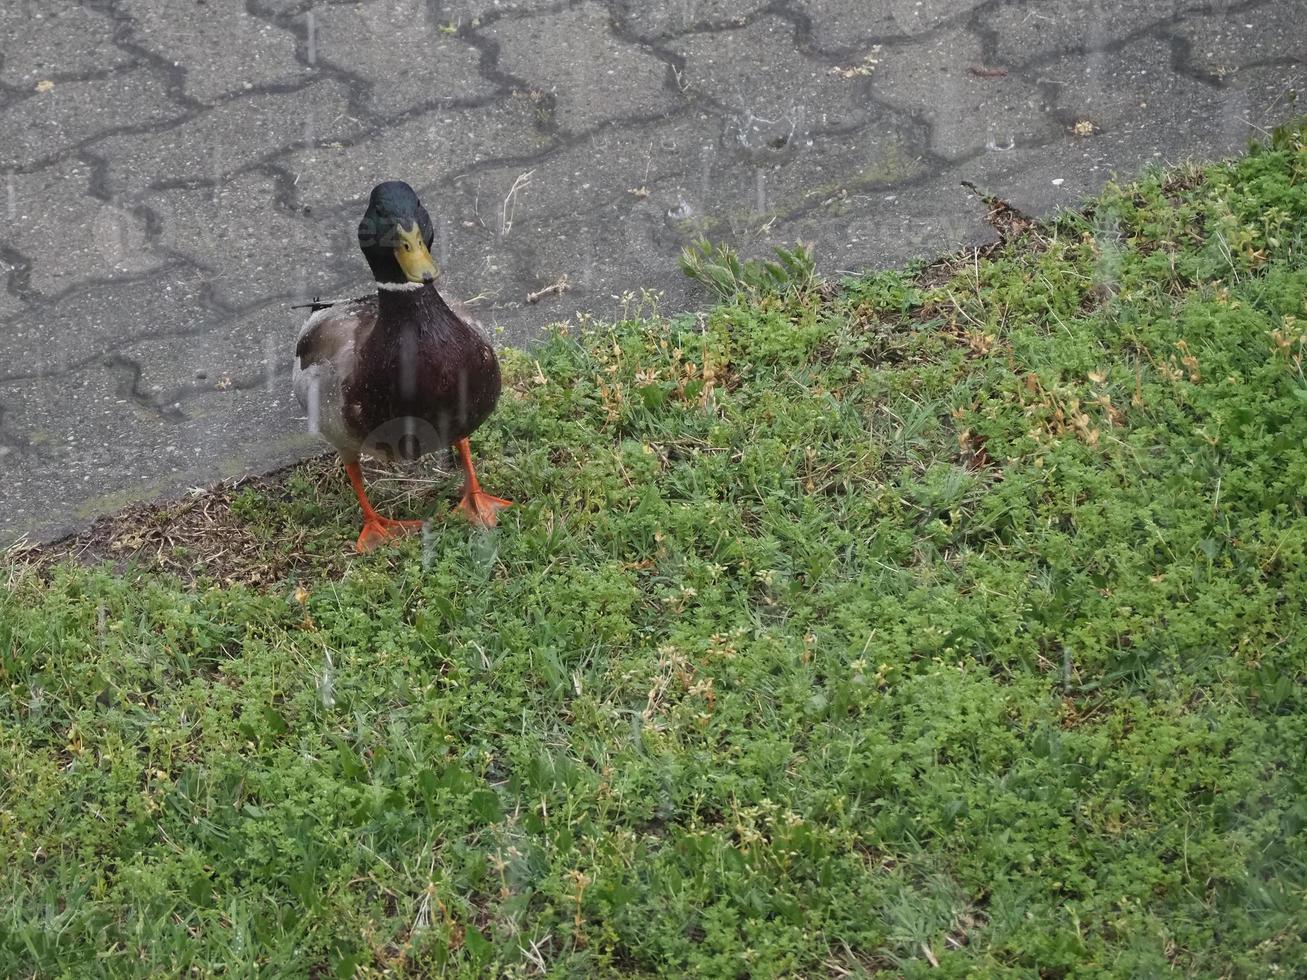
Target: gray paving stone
{"type": "Point", "coordinates": [74, 458]}
{"type": "Point", "coordinates": [847, 25]}
{"type": "Point", "coordinates": [93, 321]}
{"type": "Point", "coordinates": [773, 92]}
{"type": "Point", "coordinates": [651, 21]}
{"type": "Point", "coordinates": [436, 145]}
{"type": "Point", "coordinates": [1220, 44]}
{"type": "Point", "coordinates": [55, 430]}
{"type": "Point", "coordinates": [70, 236]}
{"type": "Point", "coordinates": [1265, 94]}
{"type": "Point", "coordinates": [595, 76]}
{"type": "Point", "coordinates": [241, 351]}
{"type": "Point", "coordinates": [223, 49]}
{"type": "Point", "coordinates": [281, 11]}
{"type": "Point", "coordinates": [432, 65]}
{"type": "Point", "coordinates": [1029, 31]}
{"type": "Point", "coordinates": [10, 305]}
{"type": "Point", "coordinates": [610, 166]}
{"type": "Point", "coordinates": [884, 227]}
{"type": "Point", "coordinates": [601, 252]}
{"type": "Point", "coordinates": [471, 13]}
{"type": "Point", "coordinates": [54, 122]}
{"type": "Point", "coordinates": [232, 136]}
{"type": "Point", "coordinates": [59, 41]}
{"type": "Point", "coordinates": [245, 239]}
{"type": "Point", "coordinates": [821, 175]}
{"type": "Point", "coordinates": [1040, 180]}
{"type": "Point", "coordinates": [575, 217]}
{"type": "Point", "coordinates": [967, 111]}
{"type": "Point", "coordinates": [1124, 91]}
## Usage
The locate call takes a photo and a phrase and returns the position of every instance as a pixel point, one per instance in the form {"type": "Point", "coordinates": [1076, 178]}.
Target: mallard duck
{"type": "Point", "coordinates": [398, 374]}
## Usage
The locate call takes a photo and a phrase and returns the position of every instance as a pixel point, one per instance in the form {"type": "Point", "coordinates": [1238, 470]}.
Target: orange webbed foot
{"type": "Point", "coordinates": [377, 530]}
{"type": "Point", "coordinates": [481, 509]}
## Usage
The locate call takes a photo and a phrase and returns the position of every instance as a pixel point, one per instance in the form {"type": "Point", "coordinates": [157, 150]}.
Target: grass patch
{"type": "Point", "coordinates": [950, 622]}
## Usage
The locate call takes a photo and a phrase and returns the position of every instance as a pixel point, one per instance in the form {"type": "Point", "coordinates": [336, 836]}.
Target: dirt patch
{"type": "Point", "coordinates": [213, 535]}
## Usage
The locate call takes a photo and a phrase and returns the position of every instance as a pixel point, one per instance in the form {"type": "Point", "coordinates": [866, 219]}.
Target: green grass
{"type": "Point", "coordinates": [950, 623]}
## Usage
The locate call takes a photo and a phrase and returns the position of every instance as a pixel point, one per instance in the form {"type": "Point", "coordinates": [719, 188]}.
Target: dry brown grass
{"type": "Point", "coordinates": [210, 535]}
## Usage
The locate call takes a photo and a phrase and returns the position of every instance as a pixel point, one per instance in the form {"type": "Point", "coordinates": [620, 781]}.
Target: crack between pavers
{"type": "Point", "coordinates": [159, 127]}
{"type": "Point", "coordinates": [939, 167]}
{"type": "Point", "coordinates": [1279, 61]}
{"type": "Point", "coordinates": [71, 78]}
{"type": "Point", "coordinates": [359, 89]}
{"type": "Point", "coordinates": [18, 277]}
{"type": "Point", "coordinates": [205, 293]}
{"type": "Point", "coordinates": [13, 440]}
{"type": "Point", "coordinates": [217, 311]}
{"type": "Point", "coordinates": [488, 50]}
{"type": "Point", "coordinates": [277, 155]}
{"type": "Point", "coordinates": [97, 358]}
{"type": "Point", "coordinates": [778, 8]}
{"type": "Point", "coordinates": [129, 129]}
{"type": "Point", "coordinates": [185, 393]}
{"type": "Point", "coordinates": [129, 372]}
{"type": "Point", "coordinates": [97, 178]}
{"type": "Point", "coordinates": [173, 72]}
{"type": "Point", "coordinates": [1115, 44]}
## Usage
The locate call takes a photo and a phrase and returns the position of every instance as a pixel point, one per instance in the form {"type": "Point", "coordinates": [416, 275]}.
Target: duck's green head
{"type": "Point", "coordinates": [395, 236]}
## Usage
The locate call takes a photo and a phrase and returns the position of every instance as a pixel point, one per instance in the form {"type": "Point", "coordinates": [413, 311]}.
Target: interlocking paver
{"type": "Point", "coordinates": [652, 21]}
{"type": "Point", "coordinates": [85, 441]}
{"type": "Point", "coordinates": [238, 351]}
{"type": "Point", "coordinates": [54, 122]}
{"type": "Point", "coordinates": [1222, 43]}
{"type": "Point", "coordinates": [472, 13]}
{"type": "Point", "coordinates": [756, 74]}
{"type": "Point", "coordinates": [223, 48]}
{"type": "Point", "coordinates": [1252, 89]}
{"type": "Point", "coordinates": [431, 65]}
{"type": "Point", "coordinates": [248, 242]}
{"type": "Point", "coordinates": [10, 305]}
{"type": "Point", "coordinates": [831, 168]}
{"type": "Point", "coordinates": [49, 41]}
{"type": "Point", "coordinates": [847, 25]}
{"type": "Point", "coordinates": [91, 321]}
{"type": "Point", "coordinates": [212, 144]}
{"type": "Point", "coordinates": [1124, 90]}
{"type": "Point", "coordinates": [1032, 32]}
{"type": "Point", "coordinates": [436, 145]}
{"type": "Point", "coordinates": [594, 75]}
{"type": "Point", "coordinates": [71, 236]}
{"type": "Point", "coordinates": [941, 80]}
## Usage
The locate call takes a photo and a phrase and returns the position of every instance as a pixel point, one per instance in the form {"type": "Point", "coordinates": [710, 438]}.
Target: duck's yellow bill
{"type": "Point", "coordinates": [412, 255]}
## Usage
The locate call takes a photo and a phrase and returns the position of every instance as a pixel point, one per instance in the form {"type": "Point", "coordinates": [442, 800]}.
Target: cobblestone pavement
{"type": "Point", "coordinates": [178, 172]}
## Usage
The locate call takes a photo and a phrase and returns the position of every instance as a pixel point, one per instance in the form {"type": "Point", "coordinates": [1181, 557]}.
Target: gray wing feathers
{"type": "Point", "coordinates": [324, 361]}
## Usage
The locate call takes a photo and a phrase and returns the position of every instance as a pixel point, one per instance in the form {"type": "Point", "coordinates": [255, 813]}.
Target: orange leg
{"type": "Point", "coordinates": [479, 507]}
{"type": "Point", "coordinates": [376, 529]}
